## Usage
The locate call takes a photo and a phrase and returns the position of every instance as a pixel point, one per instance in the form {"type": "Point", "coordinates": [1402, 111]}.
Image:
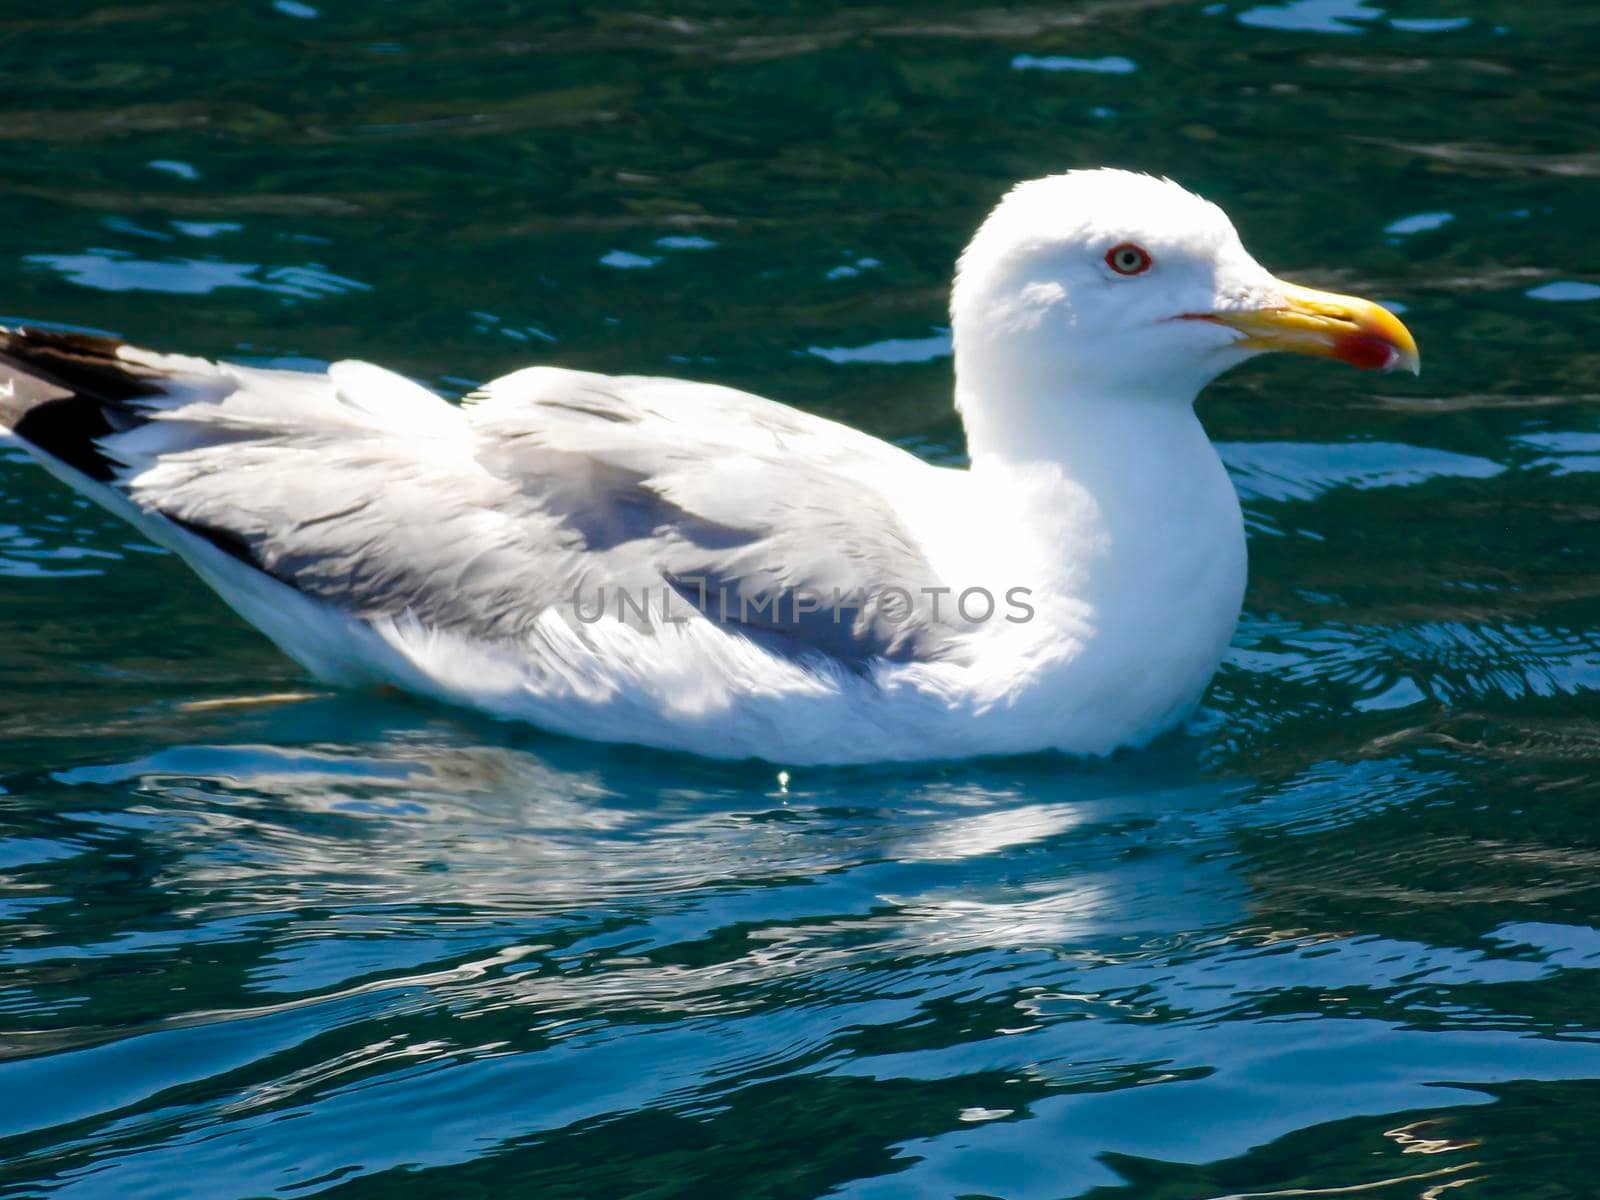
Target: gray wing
{"type": "Point", "coordinates": [765, 519]}
{"type": "Point", "coordinates": [550, 490]}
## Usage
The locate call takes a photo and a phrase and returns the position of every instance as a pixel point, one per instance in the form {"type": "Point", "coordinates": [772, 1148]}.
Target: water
{"type": "Point", "coordinates": [1342, 935]}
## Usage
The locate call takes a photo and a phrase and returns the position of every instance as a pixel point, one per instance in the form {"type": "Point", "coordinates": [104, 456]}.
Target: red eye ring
{"type": "Point", "coordinates": [1125, 258]}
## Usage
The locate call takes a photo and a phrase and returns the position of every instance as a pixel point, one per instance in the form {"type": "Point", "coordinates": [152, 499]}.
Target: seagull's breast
{"type": "Point", "coordinates": [1132, 569]}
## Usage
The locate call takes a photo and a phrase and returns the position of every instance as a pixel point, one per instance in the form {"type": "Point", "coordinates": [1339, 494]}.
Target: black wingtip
{"type": "Point", "coordinates": [61, 392]}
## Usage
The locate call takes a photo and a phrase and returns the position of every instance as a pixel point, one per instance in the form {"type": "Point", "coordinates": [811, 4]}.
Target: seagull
{"type": "Point", "coordinates": [681, 565]}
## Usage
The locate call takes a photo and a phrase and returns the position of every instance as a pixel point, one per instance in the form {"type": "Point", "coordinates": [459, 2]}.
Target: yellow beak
{"type": "Point", "coordinates": [1328, 325]}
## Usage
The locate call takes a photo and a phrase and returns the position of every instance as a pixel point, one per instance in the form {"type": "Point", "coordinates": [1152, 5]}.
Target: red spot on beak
{"type": "Point", "coordinates": [1365, 351]}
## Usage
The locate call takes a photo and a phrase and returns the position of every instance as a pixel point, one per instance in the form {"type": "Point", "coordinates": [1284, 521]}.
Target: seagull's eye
{"type": "Point", "coordinates": [1128, 259]}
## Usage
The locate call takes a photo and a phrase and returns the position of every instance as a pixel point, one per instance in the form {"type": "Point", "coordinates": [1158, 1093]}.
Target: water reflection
{"type": "Point", "coordinates": [345, 910]}
{"type": "Point", "coordinates": [119, 271]}
{"type": "Point", "coordinates": [1312, 16]}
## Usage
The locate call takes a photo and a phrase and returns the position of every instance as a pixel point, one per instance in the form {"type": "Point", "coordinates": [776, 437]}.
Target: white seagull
{"type": "Point", "coordinates": [690, 567]}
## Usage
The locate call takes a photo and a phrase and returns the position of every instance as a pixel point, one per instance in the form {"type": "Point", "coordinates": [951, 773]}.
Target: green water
{"type": "Point", "coordinates": [1342, 935]}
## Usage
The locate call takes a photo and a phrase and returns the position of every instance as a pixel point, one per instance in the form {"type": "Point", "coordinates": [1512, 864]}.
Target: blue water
{"type": "Point", "coordinates": [1342, 934]}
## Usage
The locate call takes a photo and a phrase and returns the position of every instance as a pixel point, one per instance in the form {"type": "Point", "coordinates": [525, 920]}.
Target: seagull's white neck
{"type": "Point", "coordinates": [1089, 436]}
{"type": "Point", "coordinates": [1117, 509]}
{"type": "Point", "coordinates": [1019, 410]}
{"type": "Point", "coordinates": [1143, 464]}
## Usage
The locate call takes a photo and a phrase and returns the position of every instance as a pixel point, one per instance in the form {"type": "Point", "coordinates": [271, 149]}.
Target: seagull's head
{"type": "Point", "coordinates": [1120, 286]}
